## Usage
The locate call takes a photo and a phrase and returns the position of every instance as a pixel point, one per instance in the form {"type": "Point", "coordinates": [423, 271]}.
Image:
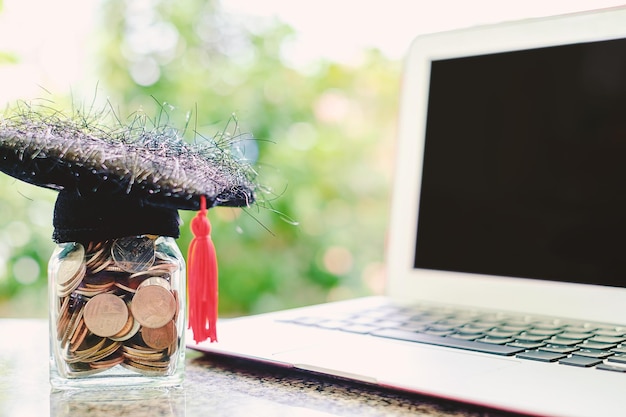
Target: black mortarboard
{"type": "Point", "coordinates": [119, 180]}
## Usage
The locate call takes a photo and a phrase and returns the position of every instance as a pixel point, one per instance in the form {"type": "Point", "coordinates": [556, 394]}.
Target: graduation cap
{"type": "Point", "coordinates": [127, 180]}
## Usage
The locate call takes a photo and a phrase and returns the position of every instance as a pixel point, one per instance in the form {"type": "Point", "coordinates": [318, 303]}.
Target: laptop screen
{"type": "Point", "coordinates": [524, 169]}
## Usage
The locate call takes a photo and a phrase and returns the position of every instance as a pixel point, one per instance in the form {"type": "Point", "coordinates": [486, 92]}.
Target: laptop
{"type": "Point", "coordinates": [506, 253]}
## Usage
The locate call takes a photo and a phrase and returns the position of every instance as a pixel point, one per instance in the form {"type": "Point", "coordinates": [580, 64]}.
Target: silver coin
{"type": "Point", "coordinates": [133, 254]}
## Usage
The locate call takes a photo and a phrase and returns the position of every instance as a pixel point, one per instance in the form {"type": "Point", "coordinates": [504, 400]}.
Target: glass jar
{"type": "Point", "coordinates": [117, 313]}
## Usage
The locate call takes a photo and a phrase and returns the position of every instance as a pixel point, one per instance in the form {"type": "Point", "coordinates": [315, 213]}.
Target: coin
{"type": "Point", "coordinates": [81, 370]}
{"type": "Point", "coordinates": [91, 345]}
{"type": "Point", "coordinates": [105, 351]}
{"type": "Point", "coordinates": [153, 305]}
{"type": "Point", "coordinates": [79, 340]}
{"type": "Point", "coordinates": [161, 337]}
{"type": "Point", "coordinates": [71, 270]}
{"type": "Point", "coordinates": [72, 326]}
{"type": "Point", "coordinates": [124, 336]}
{"type": "Point", "coordinates": [133, 254]}
{"type": "Point", "coordinates": [98, 260]}
{"type": "Point", "coordinates": [144, 370]}
{"type": "Point", "coordinates": [63, 317]}
{"type": "Point", "coordinates": [161, 282]}
{"type": "Point", "coordinates": [116, 306]}
{"type": "Point", "coordinates": [107, 362]}
{"type": "Point", "coordinates": [71, 264]}
{"type": "Point", "coordinates": [105, 314]}
{"type": "Point", "coordinates": [137, 352]}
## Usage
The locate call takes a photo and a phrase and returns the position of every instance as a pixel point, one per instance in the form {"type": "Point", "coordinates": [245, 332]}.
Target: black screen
{"type": "Point", "coordinates": [525, 165]}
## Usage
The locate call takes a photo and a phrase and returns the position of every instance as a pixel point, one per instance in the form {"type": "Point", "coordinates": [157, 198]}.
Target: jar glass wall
{"type": "Point", "coordinates": [117, 313]}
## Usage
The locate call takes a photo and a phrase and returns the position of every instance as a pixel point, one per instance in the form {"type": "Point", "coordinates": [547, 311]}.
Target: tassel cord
{"type": "Point", "coordinates": [203, 279]}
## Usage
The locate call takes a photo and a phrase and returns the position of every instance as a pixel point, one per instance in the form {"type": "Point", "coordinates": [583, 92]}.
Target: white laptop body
{"type": "Point", "coordinates": [513, 179]}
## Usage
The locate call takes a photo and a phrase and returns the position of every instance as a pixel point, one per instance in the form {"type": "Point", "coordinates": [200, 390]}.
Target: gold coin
{"type": "Point", "coordinates": [153, 305]}
{"type": "Point", "coordinates": [161, 337]}
{"type": "Point", "coordinates": [105, 314]}
{"type": "Point", "coordinates": [71, 265]}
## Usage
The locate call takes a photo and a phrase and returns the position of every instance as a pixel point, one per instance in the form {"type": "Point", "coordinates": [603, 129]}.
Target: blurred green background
{"type": "Point", "coordinates": [322, 119]}
{"type": "Point", "coordinates": [324, 135]}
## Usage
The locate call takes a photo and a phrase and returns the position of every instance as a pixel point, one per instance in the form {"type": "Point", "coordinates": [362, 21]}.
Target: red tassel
{"type": "Point", "coordinates": [202, 278]}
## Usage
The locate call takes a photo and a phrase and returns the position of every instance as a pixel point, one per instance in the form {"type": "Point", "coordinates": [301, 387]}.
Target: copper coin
{"type": "Point", "coordinates": [161, 337]}
{"type": "Point", "coordinates": [161, 282]}
{"type": "Point", "coordinates": [105, 314]}
{"type": "Point", "coordinates": [153, 306]}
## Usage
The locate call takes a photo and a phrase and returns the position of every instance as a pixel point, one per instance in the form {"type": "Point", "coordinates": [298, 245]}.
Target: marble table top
{"type": "Point", "coordinates": [214, 386]}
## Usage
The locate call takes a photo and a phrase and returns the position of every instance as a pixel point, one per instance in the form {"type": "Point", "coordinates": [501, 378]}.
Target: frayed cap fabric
{"type": "Point", "coordinates": [127, 176]}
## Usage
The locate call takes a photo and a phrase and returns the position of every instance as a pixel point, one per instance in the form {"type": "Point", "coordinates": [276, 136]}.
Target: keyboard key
{"type": "Point", "coordinates": [465, 336]}
{"type": "Point", "coordinates": [585, 328]}
{"type": "Point", "coordinates": [438, 332]}
{"type": "Point", "coordinates": [544, 332]}
{"type": "Point", "coordinates": [513, 328]}
{"type": "Point", "coordinates": [526, 345]}
{"type": "Point", "coordinates": [556, 340]}
{"type": "Point", "coordinates": [582, 361]}
{"type": "Point", "coordinates": [525, 336]}
{"type": "Point", "coordinates": [558, 348]}
{"type": "Point", "coordinates": [493, 318]}
{"type": "Point", "coordinates": [538, 355]}
{"type": "Point", "coordinates": [411, 327]}
{"type": "Point", "coordinates": [495, 340]}
{"type": "Point", "coordinates": [595, 345]}
{"type": "Point", "coordinates": [487, 324]}
{"type": "Point", "coordinates": [387, 323]}
{"type": "Point", "coordinates": [609, 367]}
{"type": "Point", "coordinates": [549, 325]}
{"type": "Point", "coordinates": [447, 342]}
{"type": "Point", "coordinates": [593, 353]}
{"type": "Point", "coordinates": [438, 327]}
{"type": "Point", "coordinates": [610, 332]}
{"type": "Point", "coordinates": [452, 322]}
{"type": "Point", "coordinates": [575, 335]}
{"type": "Point", "coordinates": [470, 329]}
{"type": "Point", "coordinates": [519, 323]}
{"type": "Point", "coordinates": [500, 333]}
{"type": "Point", "coordinates": [607, 339]}
{"type": "Point", "coordinates": [619, 349]}
{"type": "Point", "coordinates": [619, 358]}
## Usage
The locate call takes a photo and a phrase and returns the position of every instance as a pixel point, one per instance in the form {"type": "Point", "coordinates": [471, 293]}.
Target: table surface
{"type": "Point", "coordinates": [214, 386]}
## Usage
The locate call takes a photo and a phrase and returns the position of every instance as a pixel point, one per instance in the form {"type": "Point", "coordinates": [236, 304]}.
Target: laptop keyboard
{"type": "Point", "coordinates": [572, 343]}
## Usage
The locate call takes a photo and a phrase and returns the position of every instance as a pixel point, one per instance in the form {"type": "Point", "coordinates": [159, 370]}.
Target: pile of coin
{"type": "Point", "coordinates": [117, 303]}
